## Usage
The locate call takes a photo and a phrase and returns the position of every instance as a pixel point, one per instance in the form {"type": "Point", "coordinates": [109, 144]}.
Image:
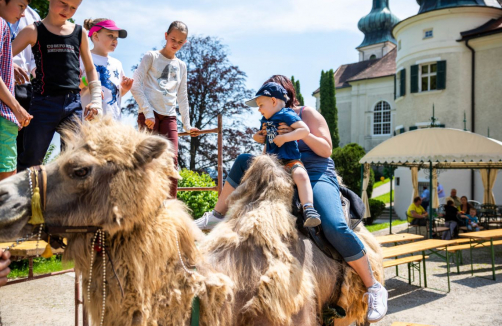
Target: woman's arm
{"type": "Point", "coordinates": [319, 139]}
{"type": "Point", "coordinates": [27, 36]}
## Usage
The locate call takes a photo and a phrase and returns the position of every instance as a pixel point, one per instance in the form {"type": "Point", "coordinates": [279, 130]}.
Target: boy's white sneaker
{"type": "Point", "coordinates": [377, 302]}
{"type": "Point", "coordinates": [207, 221]}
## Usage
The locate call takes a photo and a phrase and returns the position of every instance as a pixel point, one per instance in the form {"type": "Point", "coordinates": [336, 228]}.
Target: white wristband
{"type": "Point", "coordinates": [96, 100]}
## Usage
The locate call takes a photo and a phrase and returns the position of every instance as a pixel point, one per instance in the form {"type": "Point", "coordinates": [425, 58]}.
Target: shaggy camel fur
{"type": "Point", "coordinates": [280, 278]}
{"type": "Point", "coordinates": [117, 178]}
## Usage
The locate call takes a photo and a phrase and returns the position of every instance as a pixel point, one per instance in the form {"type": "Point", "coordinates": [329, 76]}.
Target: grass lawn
{"type": "Point", "coordinates": [385, 197]}
{"type": "Point", "coordinates": [379, 183]}
{"type": "Point", "coordinates": [381, 226]}
{"type": "Point", "coordinates": [19, 269]}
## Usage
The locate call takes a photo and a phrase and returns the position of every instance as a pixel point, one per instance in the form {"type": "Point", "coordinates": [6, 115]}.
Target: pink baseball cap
{"type": "Point", "coordinates": [109, 25]}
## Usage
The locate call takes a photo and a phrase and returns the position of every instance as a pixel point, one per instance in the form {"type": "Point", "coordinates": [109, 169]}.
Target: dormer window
{"type": "Point", "coordinates": [372, 57]}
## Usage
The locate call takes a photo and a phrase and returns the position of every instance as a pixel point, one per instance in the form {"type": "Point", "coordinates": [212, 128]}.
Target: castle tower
{"type": "Point", "coordinates": [377, 28]}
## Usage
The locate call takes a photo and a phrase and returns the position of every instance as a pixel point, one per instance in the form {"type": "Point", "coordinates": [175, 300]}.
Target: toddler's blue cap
{"type": "Point", "coordinates": [270, 89]}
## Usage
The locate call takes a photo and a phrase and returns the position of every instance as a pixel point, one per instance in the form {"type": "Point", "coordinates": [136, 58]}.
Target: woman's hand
{"type": "Point", "coordinates": [284, 128]}
{"type": "Point", "coordinates": [259, 136]}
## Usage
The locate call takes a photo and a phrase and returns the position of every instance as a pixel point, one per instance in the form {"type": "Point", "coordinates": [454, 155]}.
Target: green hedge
{"type": "Point", "coordinates": [198, 201]}
{"type": "Point", "coordinates": [376, 209]}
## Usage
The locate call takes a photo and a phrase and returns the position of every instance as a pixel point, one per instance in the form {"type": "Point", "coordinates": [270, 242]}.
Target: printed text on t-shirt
{"type": "Point", "coordinates": [60, 48]}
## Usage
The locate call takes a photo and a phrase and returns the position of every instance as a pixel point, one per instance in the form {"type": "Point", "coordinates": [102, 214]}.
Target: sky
{"type": "Point", "coordinates": [289, 37]}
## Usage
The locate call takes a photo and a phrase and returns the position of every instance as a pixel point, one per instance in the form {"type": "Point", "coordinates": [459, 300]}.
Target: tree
{"type": "Point", "coordinates": [299, 95]}
{"type": "Point", "coordinates": [215, 86]}
{"type": "Point", "coordinates": [347, 165]}
{"type": "Point", "coordinates": [41, 7]}
{"type": "Point", "coordinates": [328, 105]}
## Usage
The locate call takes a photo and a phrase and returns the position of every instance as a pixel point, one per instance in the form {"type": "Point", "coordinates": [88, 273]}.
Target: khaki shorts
{"type": "Point", "coordinates": [8, 145]}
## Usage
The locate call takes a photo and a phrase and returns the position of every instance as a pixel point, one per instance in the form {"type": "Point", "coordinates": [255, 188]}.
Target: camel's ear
{"type": "Point", "coordinates": [149, 149]}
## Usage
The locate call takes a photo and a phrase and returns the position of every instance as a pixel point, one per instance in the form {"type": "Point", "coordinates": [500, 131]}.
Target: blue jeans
{"type": "Point", "coordinates": [328, 205]}
{"type": "Point", "coordinates": [50, 114]}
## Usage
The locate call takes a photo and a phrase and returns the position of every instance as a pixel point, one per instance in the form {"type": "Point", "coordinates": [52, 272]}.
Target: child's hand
{"type": "Point", "coordinates": [194, 132]}
{"type": "Point", "coordinates": [279, 140]}
{"type": "Point", "coordinates": [150, 123]}
{"type": "Point", "coordinates": [90, 112]}
{"type": "Point", "coordinates": [259, 137]}
{"type": "Point", "coordinates": [126, 84]}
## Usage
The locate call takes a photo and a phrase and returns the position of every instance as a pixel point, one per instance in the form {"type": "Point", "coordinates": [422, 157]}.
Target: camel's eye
{"type": "Point", "coordinates": [82, 172]}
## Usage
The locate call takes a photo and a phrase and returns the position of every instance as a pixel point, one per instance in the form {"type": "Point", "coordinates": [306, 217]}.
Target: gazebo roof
{"type": "Point", "coordinates": [445, 148]}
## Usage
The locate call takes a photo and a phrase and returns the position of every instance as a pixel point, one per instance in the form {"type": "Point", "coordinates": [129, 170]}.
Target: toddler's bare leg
{"type": "Point", "coordinates": [302, 181]}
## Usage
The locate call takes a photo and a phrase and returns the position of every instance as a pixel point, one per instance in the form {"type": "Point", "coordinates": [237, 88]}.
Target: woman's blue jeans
{"type": "Point", "coordinates": [326, 202]}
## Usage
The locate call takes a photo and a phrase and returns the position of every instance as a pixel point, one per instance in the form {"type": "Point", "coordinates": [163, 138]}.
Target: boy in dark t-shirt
{"type": "Point", "coordinates": [270, 100]}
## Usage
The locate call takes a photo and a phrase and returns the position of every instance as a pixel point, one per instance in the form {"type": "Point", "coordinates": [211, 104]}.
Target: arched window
{"type": "Point", "coordinates": [372, 57]}
{"type": "Point", "coordinates": [381, 118]}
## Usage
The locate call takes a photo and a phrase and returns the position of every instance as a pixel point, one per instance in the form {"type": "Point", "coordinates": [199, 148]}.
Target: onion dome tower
{"type": "Point", "coordinates": [429, 5]}
{"type": "Point", "coordinates": [377, 25]}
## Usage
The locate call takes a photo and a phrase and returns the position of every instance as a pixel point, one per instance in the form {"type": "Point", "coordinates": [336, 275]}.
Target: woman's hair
{"type": "Point", "coordinates": [288, 85]}
{"type": "Point", "coordinates": [89, 23]}
{"type": "Point", "coordinates": [178, 25]}
{"type": "Point", "coordinates": [417, 199]}
{"type": "Point", "coordinates": [464, 197]}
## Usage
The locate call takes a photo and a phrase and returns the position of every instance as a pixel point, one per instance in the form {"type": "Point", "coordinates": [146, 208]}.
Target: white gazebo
{"type": "Point", "coordinates": [433, 149]}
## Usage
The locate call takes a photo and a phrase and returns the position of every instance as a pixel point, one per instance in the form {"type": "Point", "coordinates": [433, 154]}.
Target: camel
{"type": "Point", "coordinates": [117, 178]}
{"type": "Point", "coordinates": [280, 277]}
{"type": "Point", "coordinates": [261, 273]}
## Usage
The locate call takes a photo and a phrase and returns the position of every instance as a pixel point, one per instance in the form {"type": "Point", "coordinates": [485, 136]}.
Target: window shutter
{"type": "Point", "coordinates": [401, 131]}
{"type": "Point", "coordinates": [442, 125]}
{"type": "Point", "coordinates": [413, 128]}
{"type": "Point", "coordinates": [414, 79]}
{"type": "Point", "coordinates": [441, 75]}
{"type": "Point", "coordinates": [403, 82]}
{"type": "Point", "coordinates": [395, 86]}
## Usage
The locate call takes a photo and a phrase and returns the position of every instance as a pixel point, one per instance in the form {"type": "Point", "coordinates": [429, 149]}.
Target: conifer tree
{"type": "Point", "coordinates": [328, 104]}
{"type": "Point", "coordinates": [299, 96]}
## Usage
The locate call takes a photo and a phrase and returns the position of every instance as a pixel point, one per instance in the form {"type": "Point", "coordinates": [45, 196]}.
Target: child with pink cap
{"type": "Point", "coordinates": [104, 34]}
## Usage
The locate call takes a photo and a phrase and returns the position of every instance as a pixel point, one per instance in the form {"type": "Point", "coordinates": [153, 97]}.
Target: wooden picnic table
{"type": "Point", "coordinates": [28, 250]}
{"type": "Point", "coordinates": [478, 238]}
{"type": "Point", "coordinates": [430, 245]}
{"type": "Point", "coordinates": [394, 238]}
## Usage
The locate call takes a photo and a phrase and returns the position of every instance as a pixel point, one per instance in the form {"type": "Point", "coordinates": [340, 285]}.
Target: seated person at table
{"type": "Point", "coordinates": [416, 213]}
{"type": "Point", "coordinates": [472, 220]}
{"type": "Point", "coordinates": [450, 217]}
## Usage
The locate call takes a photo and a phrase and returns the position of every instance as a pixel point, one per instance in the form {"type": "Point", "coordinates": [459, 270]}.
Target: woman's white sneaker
{"type": "Point", "coordinates": [377, 302]}
{"type": "Point", "coordinates": [207, 221]}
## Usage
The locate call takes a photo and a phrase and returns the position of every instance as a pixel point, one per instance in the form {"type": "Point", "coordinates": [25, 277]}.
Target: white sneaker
{"type": "Point", "coordinates": [377, 303]}
{"type": "Point", "coordinates": [207, 221]}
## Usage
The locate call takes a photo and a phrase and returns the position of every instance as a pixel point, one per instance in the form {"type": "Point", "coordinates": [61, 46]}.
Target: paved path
{"type": "Point", "coordinates": [382, 190]}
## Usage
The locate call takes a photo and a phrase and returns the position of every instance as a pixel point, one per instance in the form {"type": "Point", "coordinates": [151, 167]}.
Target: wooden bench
{"type": "Point", "coordinates": [457, 250]}
{"type": "Point", "coordinates": [398, 323]}
{"type": "Point", "coordinates": [412, 261]}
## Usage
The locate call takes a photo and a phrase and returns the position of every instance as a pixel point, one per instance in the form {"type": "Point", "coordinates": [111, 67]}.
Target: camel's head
{"type": "Point", "coordinates": [265, 180]}
{"type": "Point", "coordinates": [110, 175]}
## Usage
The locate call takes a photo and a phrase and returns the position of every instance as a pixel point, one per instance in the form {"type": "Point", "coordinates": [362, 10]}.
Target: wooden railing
{"type": "Point", "coordinates": [219, 131]}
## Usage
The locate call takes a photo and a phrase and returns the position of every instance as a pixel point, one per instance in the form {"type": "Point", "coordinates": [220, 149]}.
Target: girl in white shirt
{"type": "Point", "coordinates": [160, 83]}
{"type": "Point", "coordinates": [104, 34]}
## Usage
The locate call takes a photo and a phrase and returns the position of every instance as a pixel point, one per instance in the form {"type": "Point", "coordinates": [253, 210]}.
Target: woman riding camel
{"type": "Point", "coordinates": [315, 150]}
